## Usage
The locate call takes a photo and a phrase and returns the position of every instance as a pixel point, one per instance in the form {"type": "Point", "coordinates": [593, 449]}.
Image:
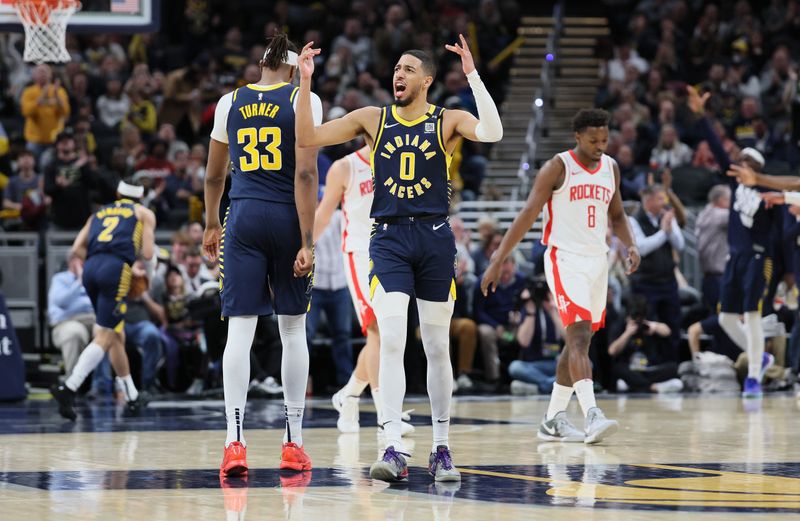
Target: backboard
{"type": "Point", "coordinates": [99, 16]}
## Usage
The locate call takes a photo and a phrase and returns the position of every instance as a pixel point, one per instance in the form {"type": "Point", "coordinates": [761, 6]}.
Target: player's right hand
{"type": "Point", "coordinates": [211, 238]}
{"type": "Point", "coordinates": [490, 278]}
{"type": "Point", "coordinates": [305, 61]}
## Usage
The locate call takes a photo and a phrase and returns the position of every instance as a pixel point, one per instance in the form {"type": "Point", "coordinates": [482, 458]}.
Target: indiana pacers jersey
{"type": "Point", "coordinates": [410, 166]}
{"type": "Point", "coordinates": [116, 230]}
{"type": "Point", "coordinates": [260, 129]}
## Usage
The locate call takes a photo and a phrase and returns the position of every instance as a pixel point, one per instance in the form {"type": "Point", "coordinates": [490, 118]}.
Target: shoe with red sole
{"type": "Point", "coordinates": [294, 458]}
{"type": "Point", "coordinates": [234, 462]}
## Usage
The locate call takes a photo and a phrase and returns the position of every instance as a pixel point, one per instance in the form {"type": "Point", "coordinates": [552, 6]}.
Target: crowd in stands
{"type": "Point", "coordinates": [141, 108]}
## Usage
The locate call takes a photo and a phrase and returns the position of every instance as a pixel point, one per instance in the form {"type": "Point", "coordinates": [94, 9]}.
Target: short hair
{"type": "Point", "coordinates": [590, 118]}
{"type": "Point", "coordinates": [649, 190]}
{"type": "Point", "coordinates": [428, 65]}
{"type": "Point", "coordinates": [194, 251]}
{"type": "Point", "coordinates": [717, 192]}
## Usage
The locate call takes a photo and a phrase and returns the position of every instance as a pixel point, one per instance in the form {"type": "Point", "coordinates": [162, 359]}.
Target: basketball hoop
{"type": "Point", "coordinates": [45, 23]}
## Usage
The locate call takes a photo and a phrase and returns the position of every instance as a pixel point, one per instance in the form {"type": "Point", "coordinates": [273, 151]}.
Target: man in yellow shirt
{"type": "Point", "coordinates": [45, 106]}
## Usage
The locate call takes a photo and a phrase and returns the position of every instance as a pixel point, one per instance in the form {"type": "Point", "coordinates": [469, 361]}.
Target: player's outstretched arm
{"type": "Point", "coordinates": [306, 186]}
{"type": "Point", "coordinates": [621, 226]}
{"type": "Point", "coordinates": [749, 177]}
{"type": "Point", "coordinates": [216, 170]}
{"type": "Point", "coordinates": [335, 185]}
{"type": "Point", "coordinates": [549, 177]}
{"type": "Point", "coordinates": [333, 132]}
{"type": "Point", "coordinates": [487, 127]}
{"type": "Point", "coordinates": [81, 242]}
{"type": "Point", "coordinates": [148, 251]}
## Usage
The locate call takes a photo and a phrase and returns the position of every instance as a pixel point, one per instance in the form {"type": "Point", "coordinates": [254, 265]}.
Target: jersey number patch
{"type": "Point", "coordinates": [592, 217]}
{"type": "Point", "coordinates": [109, 224]}
{"type": "Point", "coordinates": [269, 157]}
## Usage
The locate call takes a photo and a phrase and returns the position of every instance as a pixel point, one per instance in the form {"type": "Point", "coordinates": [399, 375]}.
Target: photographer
{"type": "Point", "coordinates": [644, 358]}
{"type": "Point", "coordinates": [540, 336]}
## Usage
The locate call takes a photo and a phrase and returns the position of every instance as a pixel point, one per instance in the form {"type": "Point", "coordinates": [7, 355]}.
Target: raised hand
{"type": "Point", "coordinates": [696, 102]}
{"type": "Point", "coordinates": [467, 62]}
{"type": "Point", "coordinates": [744, 174]}
{"type": "Point", "coordinates": [305, 60]}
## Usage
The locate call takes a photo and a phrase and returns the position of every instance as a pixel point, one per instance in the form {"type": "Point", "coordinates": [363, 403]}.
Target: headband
{"type": "Point", "coordinates": [128, 190]}
{"type": "Point", "coordinates": [291, 57]}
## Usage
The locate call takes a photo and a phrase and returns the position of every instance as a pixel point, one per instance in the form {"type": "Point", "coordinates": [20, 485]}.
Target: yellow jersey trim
{"type": "Point", "coordinates": [453, 289]}
{"type": "Point", "coordinates": [377, 142]}
{"type": "Point", "coordinates": [407, 123]}
{"type": "Point", "coordinates": [235, 93]}
{"type": "Point", "coordinates": [373, 285]}
{"type": "Point", "coordinates": [293, 94]}
{"type": "Point", "coordinates": [440, 138]}
{"type": "Point", "coordinates": [264, 88]}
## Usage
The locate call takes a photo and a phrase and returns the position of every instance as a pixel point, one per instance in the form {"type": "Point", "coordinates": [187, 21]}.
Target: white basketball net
{"type": "Point", "coordinates": [45, 35]}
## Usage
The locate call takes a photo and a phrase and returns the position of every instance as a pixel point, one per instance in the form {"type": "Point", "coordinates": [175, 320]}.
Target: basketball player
{"type": "Point", "coordinates": [349, 180]}
{"type": "Point", "coordinates": [750, 232]}
{"type": "Point", "coordinates": [110, 241]}
{"type": "Point", "coordinates": [265, 243]}
{"type": "Point", "coordinates": [580, 188]}
{"type": "Point", "coordinates": [412, 249]}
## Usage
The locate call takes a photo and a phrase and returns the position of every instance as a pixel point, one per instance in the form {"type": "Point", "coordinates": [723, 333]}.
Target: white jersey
{"type": "Point", "coordinates": [576, 215]}
{"type": "Point", "coordinates": [356, 204]}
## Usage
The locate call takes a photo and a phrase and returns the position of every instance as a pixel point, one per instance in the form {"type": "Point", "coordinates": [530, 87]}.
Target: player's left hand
{"type": "Point", "coordinates": [211, 238]}
{"type": "Point", "coordinates": [467, 62]}
{"type": "Point", "coordinates": [744, 174]}
{"type": "Point", "coordinates": [773, 198]}
{"type": "Point", "coordinates": [305, 60]}
{"type": "Point", "coordinates": [633, 260]}
{"type": "Point", "coordinates": [303, 262]}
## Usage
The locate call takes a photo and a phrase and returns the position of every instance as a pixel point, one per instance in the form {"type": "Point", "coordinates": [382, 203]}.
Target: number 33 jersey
{"type": "Point", "coordinates": [576, 215]}
{"type": "Point", "coordinates": [257, 124]}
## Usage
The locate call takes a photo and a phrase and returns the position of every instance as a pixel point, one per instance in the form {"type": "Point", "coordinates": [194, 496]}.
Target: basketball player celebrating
{"type": "Point", "coordinates": [270, 219]}
{"type": "Point", "coordinates": [580, 188]}
{"type": "Point", "coordinates": [750, 232]}
{"type": "Point", "coordinates": [110, 241]}
{"type": "Point", "coordinates": [349, 180]}
{"type": "Point", "coordinates": [412, 248]}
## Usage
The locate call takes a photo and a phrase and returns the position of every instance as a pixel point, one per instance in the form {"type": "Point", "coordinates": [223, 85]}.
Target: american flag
{"type": "Point", "coordinates": [125, 6]}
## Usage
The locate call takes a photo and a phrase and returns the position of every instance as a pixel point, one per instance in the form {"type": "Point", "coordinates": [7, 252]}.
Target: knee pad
{"type": "Point", "coordinates": [435, 313]}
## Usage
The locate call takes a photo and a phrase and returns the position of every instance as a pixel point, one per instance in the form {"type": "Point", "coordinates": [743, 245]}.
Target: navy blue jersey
{"type": "Point", "coordinates": [261, 142]}
{"type": "Point", "coordinates": [750, 225]}
{"type": "Point", "coordinates": [116, 230]}
{"type": "Point", "coordinates": [410, 166]}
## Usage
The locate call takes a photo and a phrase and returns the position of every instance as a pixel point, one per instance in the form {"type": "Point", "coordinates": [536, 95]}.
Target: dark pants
{"type": "Point", "coordinates": [663, 305]}
{"type": "Point", "coordinates": [640, 381]}
{"type": "Point", "coordinates": [793, 349]}
{"type": "Point", "coordinates": [338, 311]}
{"type": "Point", "coordinates": [711, 285]}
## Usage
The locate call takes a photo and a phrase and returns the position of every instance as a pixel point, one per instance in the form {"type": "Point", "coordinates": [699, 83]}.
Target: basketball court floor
{"type": "Point", "coordinates": [703, 458]}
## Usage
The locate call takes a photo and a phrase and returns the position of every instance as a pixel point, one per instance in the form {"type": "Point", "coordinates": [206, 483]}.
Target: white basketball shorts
{"type": "Point", "coordinates": [356, 269]}
{"type": "Point", "coordinates": [579, 284]}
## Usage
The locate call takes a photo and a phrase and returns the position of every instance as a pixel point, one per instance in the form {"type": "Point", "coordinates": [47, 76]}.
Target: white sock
{"type": "Point", "coordinates": [391, 310]}
{"type": "Point", "coordinates": [755, 343]}
{"type": "Point", "coordinates": [729, 322]}
{"type": "Point", "coordinates": [128, 388]}
{"type": "Point", "coordinates": [236, 374]}
{"type": "Point", "coordinates": [294, 374]}
{"type": "Point", "coordinates": [559, 400]}
{"type": "Point", "coordinates": [376, 398]}
{"type": "Point", "coordinates": [354, 387]}
{"type": "Point", "coordinates": [584, 390]}
{"type": "Point", "coordinates": [90, 358]}
{"type": "Point", "coordinates": [435, 330]}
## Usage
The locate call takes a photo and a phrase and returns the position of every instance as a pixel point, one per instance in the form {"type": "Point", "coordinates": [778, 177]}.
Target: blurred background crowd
{"type": "Point", "coordinates": [142, 107]}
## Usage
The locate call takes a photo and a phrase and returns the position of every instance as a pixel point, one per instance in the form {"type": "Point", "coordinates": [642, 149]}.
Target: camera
{"type": "Point", "coordinates": [534, 289]}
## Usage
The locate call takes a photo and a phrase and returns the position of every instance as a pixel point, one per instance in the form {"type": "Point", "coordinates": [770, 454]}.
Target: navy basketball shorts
{"type": "Point", "coordinates": [744, 282]}
{"type": "Point", "coordinates": [413, 256]}
{"type": "Point", "coordinates": [260, 241]}
{"type": "Point", "coordinates": [107, 279]}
